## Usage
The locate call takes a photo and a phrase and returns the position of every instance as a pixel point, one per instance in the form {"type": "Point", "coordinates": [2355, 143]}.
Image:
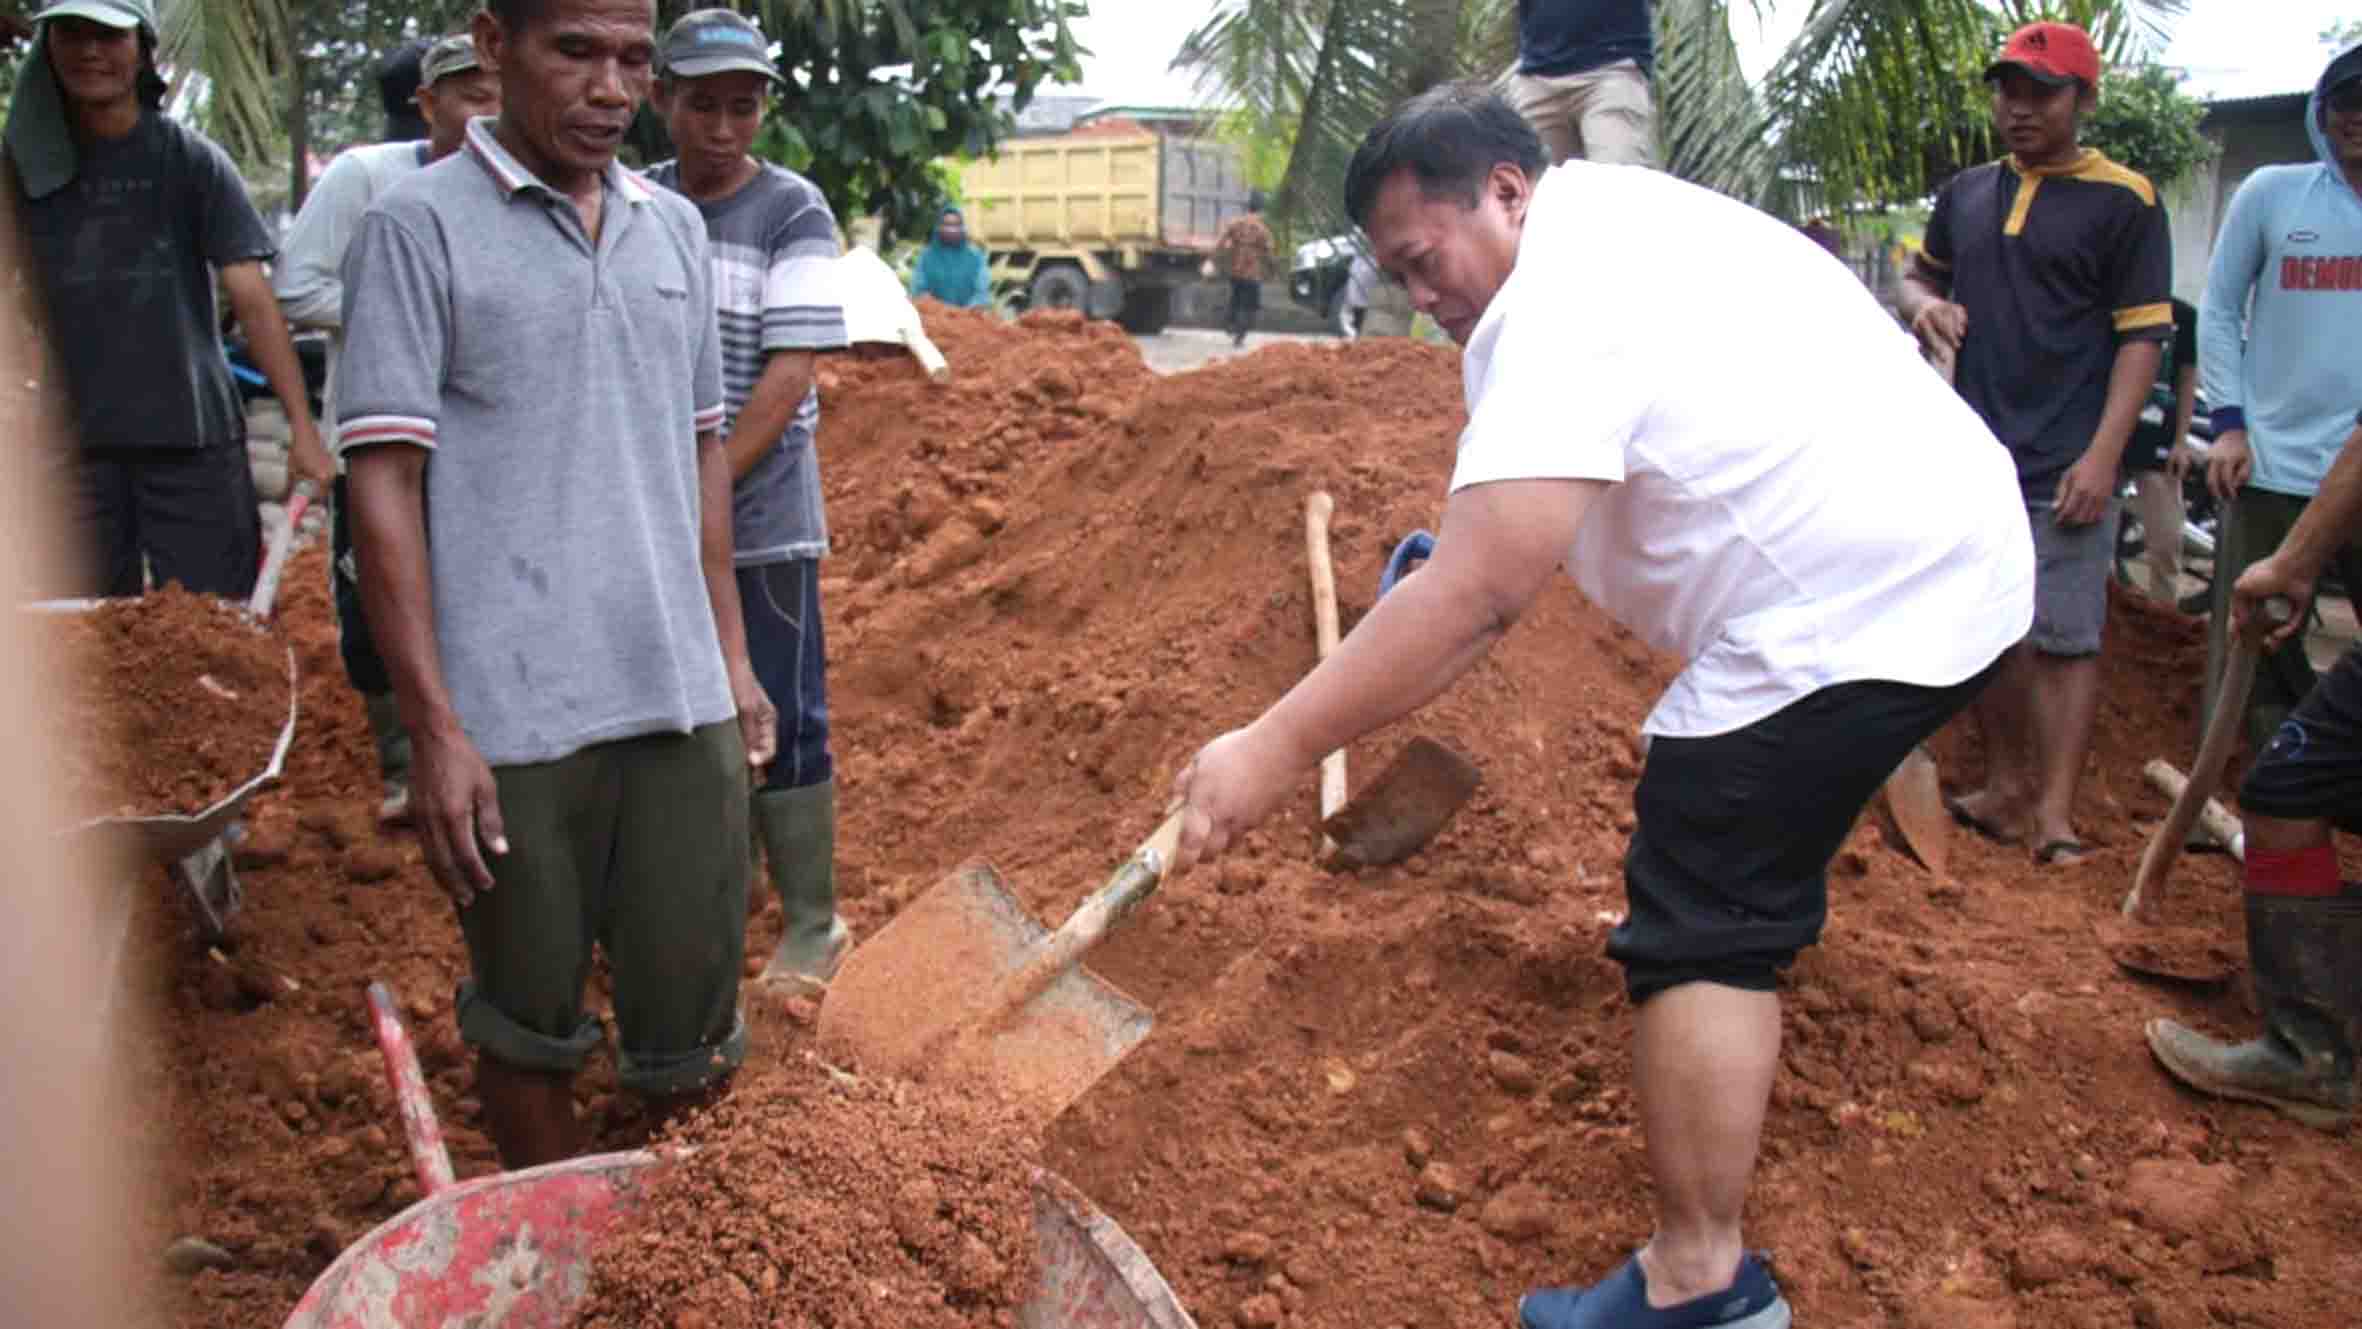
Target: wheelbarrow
{"type": "Point", "coordinates": [513, 1251]}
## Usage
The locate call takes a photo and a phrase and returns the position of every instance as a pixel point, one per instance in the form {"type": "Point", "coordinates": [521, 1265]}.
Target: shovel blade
{"type": "Point", "coordinates": [1412, 799]}
{"type": "Point", "coordinates": [2198, 956]}
{"type": "Point", "coordinates": [1915, 799]}
{"type": "Point", "coordinates": [901, 994]}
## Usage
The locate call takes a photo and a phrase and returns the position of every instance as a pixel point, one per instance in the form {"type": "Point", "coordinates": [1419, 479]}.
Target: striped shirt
{"type": "Point", "coordinates": [774, 248]}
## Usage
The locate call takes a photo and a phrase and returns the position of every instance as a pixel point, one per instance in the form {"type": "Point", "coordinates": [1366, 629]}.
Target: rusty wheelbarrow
{"type": "Point", "coordinates": [513, 1251]}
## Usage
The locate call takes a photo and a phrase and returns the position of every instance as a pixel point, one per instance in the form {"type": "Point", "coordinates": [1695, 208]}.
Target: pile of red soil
{"type": "Point", "coordinates": [174, 700]}
{"type": "Point", "coordinates": [1397, 1097]}
{"type": "Point", "coordinates": [811, 1197]}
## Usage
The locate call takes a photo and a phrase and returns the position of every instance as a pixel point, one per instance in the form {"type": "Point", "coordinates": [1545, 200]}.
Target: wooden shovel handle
{"type": "Point", "coordinates": [1317, 507]}
{"type": "Point", "coordinates": [1099, 914]}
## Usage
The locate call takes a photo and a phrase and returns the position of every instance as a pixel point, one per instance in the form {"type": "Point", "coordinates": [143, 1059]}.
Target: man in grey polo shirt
{"type": "Point", "coordinates": [532, 358]}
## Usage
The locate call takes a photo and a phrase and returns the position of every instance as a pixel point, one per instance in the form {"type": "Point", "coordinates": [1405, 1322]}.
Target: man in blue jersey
{"type": "Point", "coordinates": [2288, 267]}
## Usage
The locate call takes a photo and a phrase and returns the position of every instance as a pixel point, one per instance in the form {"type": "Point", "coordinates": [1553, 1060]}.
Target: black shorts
{"type": "Point", "coordinates": [1726, 875]}
{"type": "Point", "coordinates": [2312, 768]}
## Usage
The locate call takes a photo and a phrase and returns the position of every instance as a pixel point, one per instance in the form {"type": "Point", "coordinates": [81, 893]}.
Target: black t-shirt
{"type": "Point", "coordinates": [2150, 442]}
{"type": "Point", "coordinates": [1557, 37]}
{"type": "Point", "coordinates": [2056, 268]}
{"type": "Point", "coordinates": [126, 255]}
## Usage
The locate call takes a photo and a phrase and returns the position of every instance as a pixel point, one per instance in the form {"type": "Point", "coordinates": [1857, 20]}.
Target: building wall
{"type": "Point", "coordinates": [2195, 206]}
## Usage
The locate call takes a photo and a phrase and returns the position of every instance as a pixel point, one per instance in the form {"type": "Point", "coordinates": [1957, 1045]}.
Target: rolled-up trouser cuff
{"type": "Point", "coordinates": [664, 1074]}
{"type": "Point", "coordinates": [486, 1028]}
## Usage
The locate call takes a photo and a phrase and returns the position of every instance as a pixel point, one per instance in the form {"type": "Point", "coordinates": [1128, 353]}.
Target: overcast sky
{"type": "Point", "coordinates": [2230, 47]}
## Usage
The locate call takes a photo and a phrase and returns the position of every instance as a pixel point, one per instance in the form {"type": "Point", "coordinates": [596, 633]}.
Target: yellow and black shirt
{"type": "Point", "coordinates": [2057, 267]}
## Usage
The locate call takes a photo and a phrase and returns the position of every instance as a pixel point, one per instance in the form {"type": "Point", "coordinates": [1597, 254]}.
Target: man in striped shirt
{"type": "Point", "coordinates": [774, 243]}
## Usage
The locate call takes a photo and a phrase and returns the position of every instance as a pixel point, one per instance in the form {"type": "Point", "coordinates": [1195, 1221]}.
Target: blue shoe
{"type": "Point", "coordinates": [1620, 1301]}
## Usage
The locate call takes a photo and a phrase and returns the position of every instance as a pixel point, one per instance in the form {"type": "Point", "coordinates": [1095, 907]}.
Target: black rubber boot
{"type": "Point", "coordinates": [2307, 979]}
{"type": "Point", "coordinates": [799, 833]}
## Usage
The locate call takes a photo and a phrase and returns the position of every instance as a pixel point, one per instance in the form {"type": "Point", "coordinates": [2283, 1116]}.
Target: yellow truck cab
{"type": "Point", "coordinates": [1112, 217]}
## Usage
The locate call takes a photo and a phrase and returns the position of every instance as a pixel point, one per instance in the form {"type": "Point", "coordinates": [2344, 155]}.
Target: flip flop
{"type": "Point", "coordinates": [1972, 821]}
{"type": "Point", "coordinates": [2055, 852]}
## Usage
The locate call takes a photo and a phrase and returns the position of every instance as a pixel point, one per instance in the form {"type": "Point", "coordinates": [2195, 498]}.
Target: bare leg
{"type": "Point", "coordinates": [2068, 695]}
{"type": "Point", "coordinates": [2161, 524]}
{"type": "Point", "coordinates": [2276, 835]}
{"type": "Point", "coordinates": [2005, 713]}
{"type": "Point", "coordinates": [1703, 1060]}
{"type": "Point", "coordinates": [530, 1114]}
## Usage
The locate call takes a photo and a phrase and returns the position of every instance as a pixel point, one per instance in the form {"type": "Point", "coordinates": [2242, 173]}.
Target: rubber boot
{"type": "Point", "coordinates": [393, 756]}
{"type": "Point", "coordinates": [2306, 979]}
{"type": "Point", "coordinates": [799, 830]}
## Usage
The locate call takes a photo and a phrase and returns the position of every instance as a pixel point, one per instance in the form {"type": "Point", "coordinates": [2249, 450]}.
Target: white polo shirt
{"type": "Point", "coordinates": [1796, 500]}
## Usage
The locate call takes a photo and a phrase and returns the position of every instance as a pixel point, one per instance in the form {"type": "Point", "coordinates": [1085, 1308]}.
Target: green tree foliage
{"type": "Point", "coordinates": [2144, 121]}
{"type": "Point", "coordinates": [2338, 36]}
{"type": "Point", "coordinates": [880, 90]}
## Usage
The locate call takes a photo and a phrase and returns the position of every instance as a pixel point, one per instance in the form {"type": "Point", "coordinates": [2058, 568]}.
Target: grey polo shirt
{"type": "Point", "coordinates": [561, 386]}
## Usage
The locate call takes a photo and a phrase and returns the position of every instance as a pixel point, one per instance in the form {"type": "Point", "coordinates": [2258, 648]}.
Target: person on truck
{"type": "Point", "coordinates": [950, 269]}
{"type": "Point", "coordinates": [1582, 79]}
{"type": "Point", "coordinates": [1826, 628]}
{"type": "Point", "coordinates": [1243, 254]}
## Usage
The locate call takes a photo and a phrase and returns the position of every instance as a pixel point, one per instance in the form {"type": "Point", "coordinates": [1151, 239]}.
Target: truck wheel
{"type": "Point", "coordinates": [1061, 287]}
{"type": "Point", "coordinates": [1147, 311]}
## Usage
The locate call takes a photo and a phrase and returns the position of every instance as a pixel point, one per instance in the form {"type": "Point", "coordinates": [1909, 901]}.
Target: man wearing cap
{"type": "Point", "coordinates": [2048, 275]}
{"type": "Point", "coordinates": [567, 650]}
{"type": "Point", "coordinates": [950, 269]}
{"type": "Point", "coordinates": [774, 244]}
{"type": "Point", "coordinates": [130, 215]}
{"type": "Point", "coordinates": [2277, 329]}
{"type": "Point", "coordinates": [452, 89]}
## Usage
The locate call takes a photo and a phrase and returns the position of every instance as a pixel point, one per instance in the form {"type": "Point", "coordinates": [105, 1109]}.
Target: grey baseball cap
{"type": "Point", "coordinates": [455, 54]}
{"type": "Point", "coordinates": [716, 41]}
{"type": "Point", "coordinates": [113, 13]}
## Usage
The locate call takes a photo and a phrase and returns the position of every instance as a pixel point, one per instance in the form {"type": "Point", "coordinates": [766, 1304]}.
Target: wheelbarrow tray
{"type": "Point", "coordinates": [513, 1251]}
{"type": "Point", "coordinates": [166, 838]}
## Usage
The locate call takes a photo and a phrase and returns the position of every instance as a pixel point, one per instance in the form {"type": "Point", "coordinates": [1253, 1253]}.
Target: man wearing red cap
{"type": "Point", "coordinates": [2047, 274]}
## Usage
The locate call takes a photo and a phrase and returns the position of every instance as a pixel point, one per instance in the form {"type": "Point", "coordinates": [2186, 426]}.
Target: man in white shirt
{"type": "Point", "coordinates": [453, 88]}
{"type": "Point", "coordinates": [1759, 524]}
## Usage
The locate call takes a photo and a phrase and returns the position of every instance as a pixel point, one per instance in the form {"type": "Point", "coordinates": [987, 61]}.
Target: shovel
{"type": "Point", "coordinates": [1915, 800]}
{"type": "Point", "coordinates": [1426, 784]}
{"type": "Point", "coordinates": [964, 981]}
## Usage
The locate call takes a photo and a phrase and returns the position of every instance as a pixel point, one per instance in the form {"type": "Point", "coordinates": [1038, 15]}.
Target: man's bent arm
{"type": "Point", "coordinates": [2329, 521]}
{"type": "Point", "coordinates": [769, 410]}
{"type": "Point", "coordinates": [309, 276]}
{"type": "Point", "coordinates": [267, 340]}
{"type": "Point", "coordinates": [388, 489]}
{"type": "Point", "coordinates": [2128, 390]}
{"type": "Point", "coordinates": [1918, 290]}
{"type": "Point", "coordinates": [1501, 543]}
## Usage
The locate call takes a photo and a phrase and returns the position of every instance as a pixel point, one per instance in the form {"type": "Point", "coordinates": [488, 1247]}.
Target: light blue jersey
{"type": "Point", "coordinates": [2292, 238]}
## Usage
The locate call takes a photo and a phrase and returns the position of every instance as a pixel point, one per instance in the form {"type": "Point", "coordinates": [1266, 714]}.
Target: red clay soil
{"type": "Point", "coordinates": [812, 1198]}
{"type": "Point", "coordinates": [1391, 1098]}
{"type": "Point", "coordinates": [176, 699]}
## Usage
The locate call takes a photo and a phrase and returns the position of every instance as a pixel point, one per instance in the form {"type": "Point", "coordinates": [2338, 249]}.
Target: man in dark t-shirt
{"type": "Point", "coordinates": [129, 215]}
{"type": "Point", "coordinates": [1581, 79]}
{"type": "Point", "coordinates": [2047, 274]}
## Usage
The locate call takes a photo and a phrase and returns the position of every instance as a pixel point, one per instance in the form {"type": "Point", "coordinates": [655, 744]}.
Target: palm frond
{"type": "Point", "coordinates": [234, 55]}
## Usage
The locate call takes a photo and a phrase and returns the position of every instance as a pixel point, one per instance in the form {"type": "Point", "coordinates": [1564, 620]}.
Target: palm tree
{"type": "Point", "coordinates": [1872, 99]}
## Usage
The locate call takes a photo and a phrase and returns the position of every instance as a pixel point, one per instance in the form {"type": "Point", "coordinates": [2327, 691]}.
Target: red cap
{"type": "Point", "coordinates": [2053, 53]}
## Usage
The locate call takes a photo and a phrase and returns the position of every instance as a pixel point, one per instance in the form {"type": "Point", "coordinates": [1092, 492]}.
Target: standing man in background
{"type": "Point", "coordinates": [399, 76]}
{"type": "Point", "coordinates": [567, 649]}
{"type": "Point", "coordinates": [2047, 275]}
{"type": "Point", "coordinates": [1581, 79]}
{"type": "Point", "coordinates": [129, 216]}
{"type": "Point", "coordinates": [2160, 453]}
{"type": "Point", "coordinates": [451, 88]}
{"type": "Point", "coordinates": [1243, 254]}
{"type": "Point", "coordinates": [2284, 394]}
{"type": "Point", "coordinates": [950, 269]}
{"type": "Point", "coordinates": [774, 246]}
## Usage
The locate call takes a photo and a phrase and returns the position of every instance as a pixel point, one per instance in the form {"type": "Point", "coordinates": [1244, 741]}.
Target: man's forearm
{"type": "Point", "coordinates": [2185, 403]}
{"type": "Point", "coordinates": [2329, 520]}
{"type": "Point", "coordinates": [273, 349]}
{"type": "Point", "coordinates": [387, 488]}
{"type": "Point", "coordinates": [1916, 293]}
{"type": "Point", "coordinates": [769, 410]}
{"type": "Point", "coordinates": [715, 550]}
{"type": "Point", "coordinates": [2128, 390]}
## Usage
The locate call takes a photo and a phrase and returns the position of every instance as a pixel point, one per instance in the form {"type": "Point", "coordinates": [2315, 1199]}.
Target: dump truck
{"type": "Point", "coordinates": [1107, 221]}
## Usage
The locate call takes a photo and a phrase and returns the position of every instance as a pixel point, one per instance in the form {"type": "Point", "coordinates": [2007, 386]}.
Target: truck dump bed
{"type": "Point", "coordinates": [1104, 191]}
